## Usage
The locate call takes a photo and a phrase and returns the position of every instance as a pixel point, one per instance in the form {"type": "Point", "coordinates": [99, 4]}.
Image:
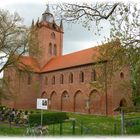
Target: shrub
{"type": "Point", "coordinates": [1, 107]}
{"type": "Point", "coordinates": [48, 118]}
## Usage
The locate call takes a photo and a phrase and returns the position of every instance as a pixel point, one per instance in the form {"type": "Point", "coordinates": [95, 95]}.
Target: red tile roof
{"type": "Point", "coordinates": [83, 57]}
{"type": "Point", "coordinates": [70, 60]}
{"type": "Point", "coordinates": [28, 63]}
{"type": "Point", "coordinates": [60, 62]}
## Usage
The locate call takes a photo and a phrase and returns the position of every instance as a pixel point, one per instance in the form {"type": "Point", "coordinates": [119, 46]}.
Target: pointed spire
{"type": "Point", "coordinates": [33, 22]}
{"type": "Point", "coordinates": [37, 20]}
{"type": "Point", "coordinates": [53, 21]}
{"type": "Point", "coordinates": [53, 24]}
{"type": "Point", "coordinates": [61, 24]}
{"type": "Point", "coordinates": [47, 8]}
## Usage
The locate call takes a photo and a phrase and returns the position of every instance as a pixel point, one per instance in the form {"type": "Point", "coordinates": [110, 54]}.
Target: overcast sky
{"type": "Point", "coordinates": [76, 37]}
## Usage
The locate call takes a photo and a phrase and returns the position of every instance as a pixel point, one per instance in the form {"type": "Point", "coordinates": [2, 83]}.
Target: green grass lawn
{"type": "Point", "coordinates": [85, 125]}
{"type": "Point", "coordinates": [5, 130]}
{"type": "Point", "coordinates": [89, 125]}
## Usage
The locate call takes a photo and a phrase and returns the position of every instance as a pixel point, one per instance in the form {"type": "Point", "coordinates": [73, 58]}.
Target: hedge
{"type": "Point", "coordinates": [1, 107]}
{"type": "Point", "coordinates": [48, 118]}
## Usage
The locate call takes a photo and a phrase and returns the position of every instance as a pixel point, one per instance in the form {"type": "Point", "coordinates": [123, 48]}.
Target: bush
{"type": "Point", "coordinates": [1, 107]}
{"type": "Point", "coordinates": [48, 118]}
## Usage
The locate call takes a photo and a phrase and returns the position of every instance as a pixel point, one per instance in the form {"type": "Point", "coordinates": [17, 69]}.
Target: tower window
{"type": "Point", "coordinates": [50, 48]}
{"type": "Point", "coordinates": [52, 35]}
{"type": "Point", "coordinates": [93, 75]}
{"type": "Point", "coordinates": [46, 80]}
{"type": "Point", "coordinates": [71, 78]}
{"type": "Point", "coordinates": [54, 50]}
{"type": "Point", "coordinates": [81, 77]}
{"type": "Point", "coordinates": [29, 79]}
{"type": "Point", "coordinates": [53, 80]}
{"type": "Point", "coordinates": [61, 79]}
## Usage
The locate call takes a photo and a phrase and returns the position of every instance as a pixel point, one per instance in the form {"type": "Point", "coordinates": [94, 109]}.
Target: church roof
{"type": "Point", "coordinates": [79, 58]}
{"type": "Point", "coordinates": [82, 57]}
{"type": "Point", "coordinates": [71, 60]}
{"type": "Point", "coordinates": [28, 63]}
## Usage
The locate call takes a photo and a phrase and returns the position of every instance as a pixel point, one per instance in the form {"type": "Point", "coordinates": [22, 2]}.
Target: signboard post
{"type": "Point", "coordinates": [42, 103]}
{"type": "Point", "coordinates": [41, 117]}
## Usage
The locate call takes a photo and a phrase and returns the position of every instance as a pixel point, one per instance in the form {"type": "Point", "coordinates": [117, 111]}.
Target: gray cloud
{"type": "Point", "coordinates": [75, 37]}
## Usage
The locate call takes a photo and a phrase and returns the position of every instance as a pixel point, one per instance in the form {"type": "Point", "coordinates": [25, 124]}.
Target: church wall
{"type": "Point", "coordinates": [22, 94]}
{"type": "Point", "coordinates": [27, 95]}
{"type": "Point", "coordinates": [10, 86]}
{"type": "Point", "coordinates": [72, 97]}
{"type": "Point", "coordinates": [121, 88]}
{"type": "Point", "coordinates": [78, 93]}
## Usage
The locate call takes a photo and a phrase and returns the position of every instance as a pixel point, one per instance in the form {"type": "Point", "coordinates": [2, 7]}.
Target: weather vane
{"type": "Point", "coordinates": [47, 7]}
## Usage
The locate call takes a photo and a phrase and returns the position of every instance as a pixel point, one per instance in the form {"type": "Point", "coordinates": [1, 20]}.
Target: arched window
{"type": "Point", "coordinates": [123, 103]}
{"type": "Point", "coordinates": [71, 78]}
{"type": "Point", "coordinates": [93, 75]}
{"type": "Point", "coordinates": [55, 50]}
{"type": "Point", "coordinates": [61, 79]}
{"type": "Point", "coordinates": [52, 35]}
{"type": "Point", "coordinates": [81, 77]}
{"type": "Point", "coordinates": [46, 80]}
{"type": "Point", "coordinates": [44, 95]}
{"type": "Point", "coordinates": [53, 80]}
{"type": "Point", "coordinates": [29, 79]}
{"type": "Point", "coordinates": [65, 95]}
{"type": "Point", "coordinates": [122, 75]}
{"type": "Point", "coordinates": [50, 48]}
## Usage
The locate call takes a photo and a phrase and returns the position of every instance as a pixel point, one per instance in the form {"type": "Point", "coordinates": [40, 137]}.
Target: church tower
{"type": "Point", "coordinates": [49, 38]}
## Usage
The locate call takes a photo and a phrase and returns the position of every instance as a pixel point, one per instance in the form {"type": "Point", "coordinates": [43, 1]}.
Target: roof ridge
{"type": "Point", "coordinates": [73, 53]}
{"type": "Point", "coordinates": [95, 47]}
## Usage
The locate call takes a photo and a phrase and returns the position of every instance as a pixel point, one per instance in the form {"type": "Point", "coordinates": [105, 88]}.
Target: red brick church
{"type": "Point", "coordinates": [63, 79]}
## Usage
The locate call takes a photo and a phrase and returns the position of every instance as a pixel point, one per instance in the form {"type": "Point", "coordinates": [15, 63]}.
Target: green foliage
{"type": "Point", "coordinates": [5, 130]}
{"type": "Point", "coordinates": [84, 125]}
{"type": "Point", "coordinates": [136, 100]}
{"type": "Point", "coordinates": [126, 27]}
{"type": "Point", "coordinates": [1, 107]}
{"type": "Point", "coordinates": [48, 118]}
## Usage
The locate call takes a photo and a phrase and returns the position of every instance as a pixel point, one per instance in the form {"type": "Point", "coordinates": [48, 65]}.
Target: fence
{"type": "Point", "coordinates": [132, 125]}
{"type": "Point", "coordinates": [74, 127]}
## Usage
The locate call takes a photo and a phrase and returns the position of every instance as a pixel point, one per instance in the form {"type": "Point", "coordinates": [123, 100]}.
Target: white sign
{"type": "Point", "coordinates": [42, 103]}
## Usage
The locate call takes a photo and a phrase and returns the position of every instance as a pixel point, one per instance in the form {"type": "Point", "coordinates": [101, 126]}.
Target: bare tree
{"type": "Point", "coordinates": [13, 38]}
{"type": "Point", "coordinates": [85, 14]}
{"type": "Point", "coordinates": [13, 44]}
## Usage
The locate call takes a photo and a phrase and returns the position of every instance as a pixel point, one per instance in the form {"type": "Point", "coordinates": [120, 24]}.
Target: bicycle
{"type": "Point", "coordinates": [41, 130]}
{"type": "Point", "coordinates": [30, 131]}
{"type": "Point", "coordinates": [37, 130]}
